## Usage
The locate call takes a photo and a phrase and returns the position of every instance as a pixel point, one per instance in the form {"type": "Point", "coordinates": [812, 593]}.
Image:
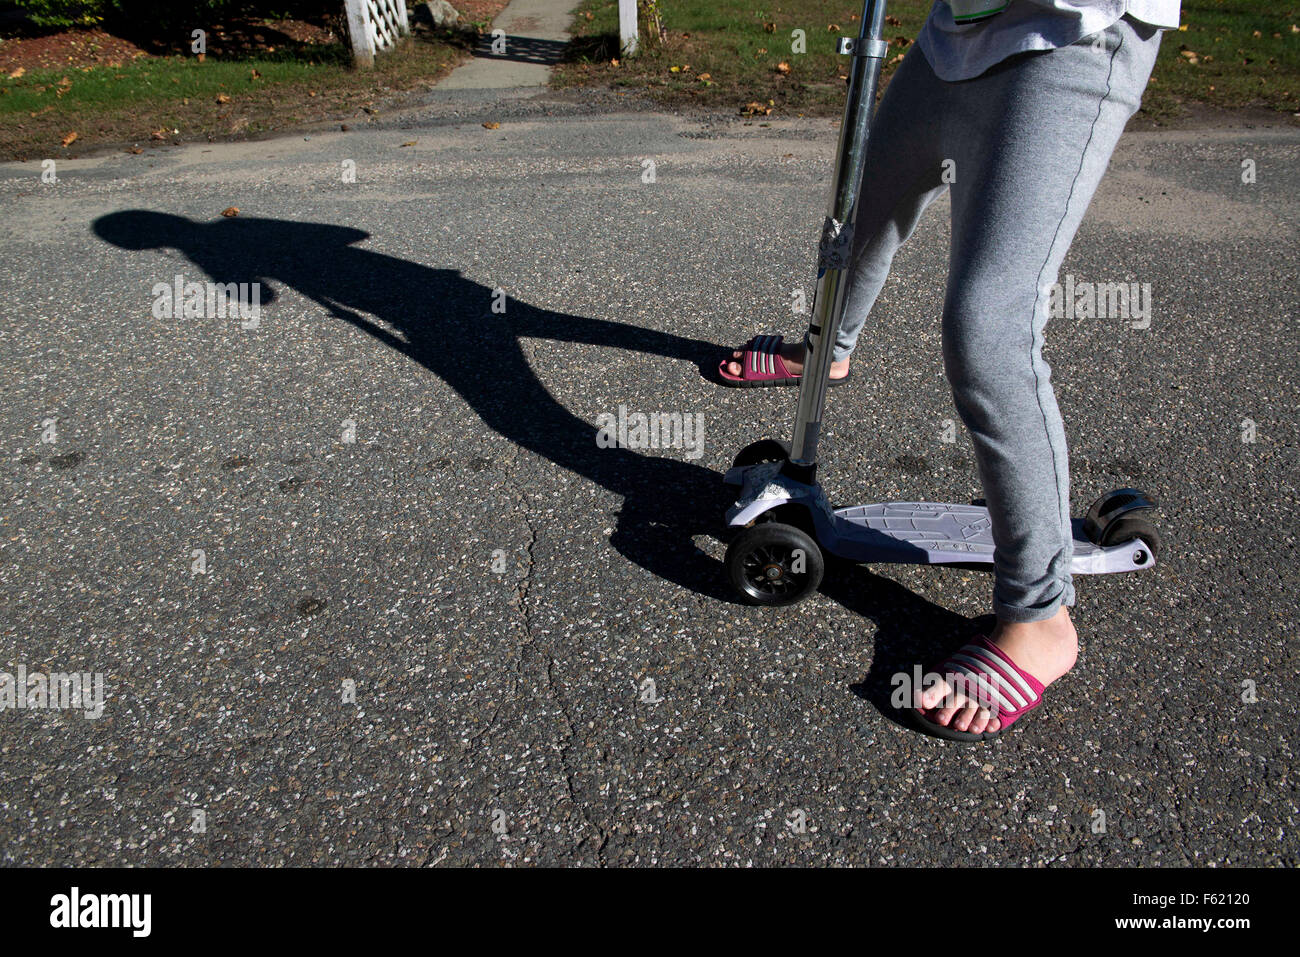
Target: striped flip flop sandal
{"type": "Point", "coordinates": [982, 671]}
{"type": "Point", "coordinates": [763, 367]}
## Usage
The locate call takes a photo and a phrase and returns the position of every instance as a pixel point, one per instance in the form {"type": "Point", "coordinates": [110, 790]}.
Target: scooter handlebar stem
{"type": "Point", "coordinates": [868, 51]}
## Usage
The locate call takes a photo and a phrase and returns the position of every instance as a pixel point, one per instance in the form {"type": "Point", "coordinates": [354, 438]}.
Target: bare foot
{"type": "Point", "coordinates": [1046, 649]}
{"type": "Point", "coordinates": [792, 353]}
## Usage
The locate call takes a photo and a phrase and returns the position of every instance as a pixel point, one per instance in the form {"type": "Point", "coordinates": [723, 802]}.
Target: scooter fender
{"type": "Point", "coordinates": [763, 488]}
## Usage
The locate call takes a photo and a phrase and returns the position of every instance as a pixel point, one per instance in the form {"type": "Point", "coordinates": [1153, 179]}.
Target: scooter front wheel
{"type": "Point", "coordinates": [774, 564]}
{"type": "Point", "coordinates": [761, 452]}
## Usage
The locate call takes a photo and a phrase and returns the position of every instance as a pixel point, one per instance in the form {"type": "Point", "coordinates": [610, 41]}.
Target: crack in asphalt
{"type": "Point", "coordinates": [522, 588]}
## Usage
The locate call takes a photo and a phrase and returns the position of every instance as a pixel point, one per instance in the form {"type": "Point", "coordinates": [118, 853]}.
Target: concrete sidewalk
{"type": "Point", "coordinates": [536, 32]}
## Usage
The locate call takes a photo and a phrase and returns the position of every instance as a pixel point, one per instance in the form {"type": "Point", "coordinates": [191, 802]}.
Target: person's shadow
{"type": "Point", "coordinates": [446, 324]}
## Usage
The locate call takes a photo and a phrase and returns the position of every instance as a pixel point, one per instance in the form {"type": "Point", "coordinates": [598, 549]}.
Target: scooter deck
{"type": "Point", "coordinates": [919, 533]}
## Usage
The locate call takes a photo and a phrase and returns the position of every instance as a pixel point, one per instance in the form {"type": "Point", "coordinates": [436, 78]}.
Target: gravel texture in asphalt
{"type": "Point", "coordinates": [388, 488]}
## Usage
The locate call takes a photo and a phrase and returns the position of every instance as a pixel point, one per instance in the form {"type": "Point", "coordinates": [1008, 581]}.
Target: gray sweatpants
{"type": "Point", "coordinates": [1022, 147]}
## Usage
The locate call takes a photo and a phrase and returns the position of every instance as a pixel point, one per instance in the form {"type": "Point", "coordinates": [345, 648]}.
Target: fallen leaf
{"type": "Point", "coordinates": [202, 57]}
{"type": "Point", "coordinates": [255, 74]}
{"type": "Point", "coordinates": [223, 98]}
{"type": "Point", "coordinates": [613, 62]}
{"type": "Point", "coordinates": [17, 73]}
{"type": "Point", "coordinates": [410, 143]}
{"type": "Point", "coordinates": [832, 28]}
{"type": "Point", "coordinates": [893, 21]}
{"type": "Point", "coordinates": [704, 76]}
{"type": "Point", "coordinates": [491, 126]}
{"type": "Point", "coordinates": [783, 68]}
{"type": "Point", "coordinates": [69, 138]}
{"type": "Point", "coordinates": [770, 27]}
{"type": "Point", "coordinates": [135, 150]}
{"type": "Point", "coordinates": [674, 69]}
{"type": "Point", "coordinates": [762, 49]}
{"type": "Point", "coordinates": [158, 134]}
{"type": "Point", "coordinates": [230, 211]}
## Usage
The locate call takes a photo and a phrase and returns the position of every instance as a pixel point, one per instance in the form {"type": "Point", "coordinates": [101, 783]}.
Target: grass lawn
{"type": "Point", "coordinates": [150, 100]}
{"type": "Point", "coordinates": [725, 54]}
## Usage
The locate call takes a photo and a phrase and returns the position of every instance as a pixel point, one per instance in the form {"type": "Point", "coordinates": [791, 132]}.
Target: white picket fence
{"type": "Point", "coordinates": [375, 25]}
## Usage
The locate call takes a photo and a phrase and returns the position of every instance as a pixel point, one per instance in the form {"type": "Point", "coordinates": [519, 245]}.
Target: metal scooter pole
{"type": "Point", "coordinates": [868, 52]}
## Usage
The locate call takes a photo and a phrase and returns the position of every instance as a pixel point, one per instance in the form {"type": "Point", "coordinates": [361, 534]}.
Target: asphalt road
{"type": "Point", "coordinates": [498, 589]}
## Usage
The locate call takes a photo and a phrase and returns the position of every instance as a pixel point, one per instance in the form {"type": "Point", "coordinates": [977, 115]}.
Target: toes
{"type": "Point", "coordinates": [944, 715]}
{"type": "Point", "coordinates": [981, 721]}
{"type": "Point", "coordinates": [967, 714]}
{"type": "Point", "coordinates": [933, 695]}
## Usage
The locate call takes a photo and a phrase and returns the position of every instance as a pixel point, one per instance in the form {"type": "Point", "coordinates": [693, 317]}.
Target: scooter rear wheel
{"type": "Point", "coordinates": [774, 564]}
{"type": "Point", "coordinates": [1131, 527]}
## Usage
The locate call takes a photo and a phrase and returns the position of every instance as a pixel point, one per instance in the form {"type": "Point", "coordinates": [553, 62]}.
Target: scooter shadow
{"type": "Point", "coordinates": [910, 630]}
{"type": "Point", "coordinates": [445, 322]}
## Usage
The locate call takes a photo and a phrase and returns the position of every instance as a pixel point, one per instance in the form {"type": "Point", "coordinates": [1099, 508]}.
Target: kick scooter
{"type": "Point", "coordinates": [786, 524]}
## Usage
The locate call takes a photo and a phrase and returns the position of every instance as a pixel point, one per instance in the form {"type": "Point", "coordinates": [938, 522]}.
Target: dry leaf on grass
{"type": "Point", "coordinates": [69, 138]}
{"type": "Point", "coordinates": [223, 98]}
{"type": "Point", "coordinates": [783, 68]}
{"type": "Point", "coordinates": [17, 73]}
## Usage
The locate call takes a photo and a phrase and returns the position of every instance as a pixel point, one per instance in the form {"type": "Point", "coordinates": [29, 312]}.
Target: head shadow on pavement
{"type": "Point", "coordinates": [444, 322]}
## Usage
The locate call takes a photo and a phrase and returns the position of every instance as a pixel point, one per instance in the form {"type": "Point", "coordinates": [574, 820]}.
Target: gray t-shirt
{"type": "Point", "coordinates": [963, 50]}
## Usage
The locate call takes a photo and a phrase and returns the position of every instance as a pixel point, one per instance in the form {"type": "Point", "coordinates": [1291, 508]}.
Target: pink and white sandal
{"type": "Point", "coordinates": [981, 671]}
{"type": "Point", "coordinates": [762, 366]}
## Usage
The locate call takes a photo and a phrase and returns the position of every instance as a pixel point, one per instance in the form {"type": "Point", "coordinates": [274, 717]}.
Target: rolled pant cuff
{"type": "Point", "coordinates": [1022, 614]}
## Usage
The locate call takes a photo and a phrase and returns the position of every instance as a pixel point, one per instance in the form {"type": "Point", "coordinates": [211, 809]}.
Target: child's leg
{"type": "Point", "coordinates": [902, 175]}
{"type": "Point", "coordinates": [1034, 137]}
